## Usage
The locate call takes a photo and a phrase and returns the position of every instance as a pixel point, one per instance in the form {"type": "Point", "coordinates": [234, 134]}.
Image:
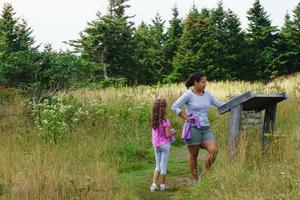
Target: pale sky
{"type": "Point", "coordinates": [55, 21]}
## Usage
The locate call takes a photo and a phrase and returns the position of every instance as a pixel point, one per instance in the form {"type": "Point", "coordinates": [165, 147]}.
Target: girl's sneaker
{"type": "Point", "coordinates": [164, 187]}
{"type": "Point", "coordinates": [153, 187]}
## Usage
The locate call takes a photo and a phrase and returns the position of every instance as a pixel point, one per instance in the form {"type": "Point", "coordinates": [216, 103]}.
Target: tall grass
{"type": "Point", "coordinates": [107, 152]}
{"type": "Point", "coordinates": [32, 168]}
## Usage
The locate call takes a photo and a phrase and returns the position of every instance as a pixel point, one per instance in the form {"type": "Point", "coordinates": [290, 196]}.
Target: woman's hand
{"type": "Point", "coordinates": [184, 116]}
{"type": "Point", "coordinates": [189, 120]}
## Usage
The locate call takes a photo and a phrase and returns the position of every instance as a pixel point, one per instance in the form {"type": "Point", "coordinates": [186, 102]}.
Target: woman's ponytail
{"type": "Point", "coordinates": [188, 83]}
{"type": "Point", "coordinates": [194, 77]}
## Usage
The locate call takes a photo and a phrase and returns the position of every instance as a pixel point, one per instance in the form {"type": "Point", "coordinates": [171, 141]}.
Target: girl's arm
{"type": "Point", "coordinates": [176, 107]}
{"type": "Point", "coordinates": [168, 132]}
{"type": "Point", "coordinates": [167, 125]}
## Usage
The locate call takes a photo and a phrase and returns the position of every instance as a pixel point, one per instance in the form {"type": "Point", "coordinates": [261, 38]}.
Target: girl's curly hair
{"type": "Point", "coordinates": [158, 112]}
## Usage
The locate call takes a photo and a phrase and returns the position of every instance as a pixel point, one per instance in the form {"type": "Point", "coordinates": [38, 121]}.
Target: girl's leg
{"type": "Point", "coordinates": [193, 151]}
{"type": "Point", "coordinates": [212, 149]}
{"type": "Point", "coordinates": [155, 176]}
{"type": "Point", "coordinates": [163, 163]}
{"type": "Point", "coordinates": [157, 167]}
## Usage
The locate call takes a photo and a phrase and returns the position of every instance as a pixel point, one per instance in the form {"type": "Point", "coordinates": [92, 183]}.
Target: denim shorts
{"type": "Point", "coordinates": [200, 135]}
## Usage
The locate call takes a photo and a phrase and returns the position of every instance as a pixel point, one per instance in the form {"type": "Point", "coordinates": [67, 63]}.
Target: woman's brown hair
{"type": "Point", "coordinates": [158, 112]}
{"type": "Point", "coordinates": [194, 77]}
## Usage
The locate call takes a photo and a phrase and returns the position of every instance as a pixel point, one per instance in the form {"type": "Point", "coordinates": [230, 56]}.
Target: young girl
{"type": "Point", "coordinates": [161, 139]}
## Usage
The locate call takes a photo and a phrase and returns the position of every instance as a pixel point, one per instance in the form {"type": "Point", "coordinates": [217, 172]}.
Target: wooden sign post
{"type": "Point", "coordinates": [255, 102]}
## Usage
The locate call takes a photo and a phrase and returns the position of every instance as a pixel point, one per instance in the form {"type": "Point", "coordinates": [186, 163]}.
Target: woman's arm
{"type": "Point", "coordinates": [216, 102]}
{"type": "Point", "coordinates": [183, 115]}
{"type": "Point", "coordinates": [176, 107]}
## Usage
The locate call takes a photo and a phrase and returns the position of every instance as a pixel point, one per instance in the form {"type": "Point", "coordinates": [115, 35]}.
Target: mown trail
{"type": "Point", "coordinates": [178, 177]}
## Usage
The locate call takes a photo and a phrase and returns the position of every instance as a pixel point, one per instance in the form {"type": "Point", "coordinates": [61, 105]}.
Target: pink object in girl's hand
{"type": "Point", "coordinates": [172, 131]}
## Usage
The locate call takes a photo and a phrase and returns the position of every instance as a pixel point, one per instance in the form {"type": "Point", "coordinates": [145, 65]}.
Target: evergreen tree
{"type": "Point", "coordinates": [236, 45]}
{"type": "Point", "coordinates": [220, 69]}
{"type": "Point", "coordinates": [261, 39]}
{"type": "Point", "coordinates": [108, 40]}
{"type": "Point", "coordinates": [158, 61]}
{"type": "Point", "coordinates": [196, 50]}
{"type": "Point", "coordinates": [15, 35]}
{"type": "Point", "coordinates": [8, 25]}
{"type": "Point", "coordinates": [286, 47]}
{"type": "Point", "coordinates": [149, 41]}
{"type": "Point", "coordinates": [295, 37]}
{"type": "Point", "coordinates": [229, 51]}
{"type": "Point", "coordinates": [24, 39]}
{"type": "Point", "coordinates": [144, 46]}
{"type": "Point", "coordinates": [173, 35]}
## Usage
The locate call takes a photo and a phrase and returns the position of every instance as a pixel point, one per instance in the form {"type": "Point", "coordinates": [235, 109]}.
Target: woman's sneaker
{"type": "Point", "coordinates": [153, 187]}
{"type": "Point", "coordinates": [201, 175]}
{"type": "Point", "coordinates": [164, 187]}
{"type": "Point", "coordinates": [194, 182]}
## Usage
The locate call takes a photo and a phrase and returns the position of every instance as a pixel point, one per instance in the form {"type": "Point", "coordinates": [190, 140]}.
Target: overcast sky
{"type": "Point", "coordinates": [55, 21]}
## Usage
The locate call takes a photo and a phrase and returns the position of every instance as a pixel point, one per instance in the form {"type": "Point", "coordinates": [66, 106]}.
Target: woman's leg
{"type": "Point", "coordinates": [212, 149]}
{"type": "Point", "coordinates": [193, 151]}
{"type": "Point", "coordinates": [164, 161]}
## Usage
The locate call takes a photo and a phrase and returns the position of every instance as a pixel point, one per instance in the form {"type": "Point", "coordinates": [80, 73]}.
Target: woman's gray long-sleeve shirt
{"type": "Point", "coordinates": [198, 105]}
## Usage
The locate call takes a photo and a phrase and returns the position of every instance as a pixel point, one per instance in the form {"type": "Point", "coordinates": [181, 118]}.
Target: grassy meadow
{"type": "Point", "coordinates": [96, 144]}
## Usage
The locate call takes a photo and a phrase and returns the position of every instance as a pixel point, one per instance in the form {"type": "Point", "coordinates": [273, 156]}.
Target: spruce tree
{"type": "Point", "coordinates": [8, 25]}
{"type": "Point", "coordinates": [197, 47]}
{"type": "Point", "coordinates": [234, 44]}
{"type": "Point", "coordinates": [221, 67]}
{"type": "Point", "coordinates": [261, 39]}
{"type": "Point", "coordinates": [15, 34]}
{"type": "Point", "coordinates": [143, 54]}
{"type": "Point", "coordinates": [286, 47]}
{"type": "Point", "coordinates": [295, 36]}
{"type": "Point", "coordinates": [108, 40]}
{"type": "Point", "coordinates": [24, 39]}
{"type": "Point", "coordinates": [158, 61]}
{"type": "Point", "coordinates": [230, 44]}
{"type": "Point", "coordinates": [15, 37]}
{"type": "Point", "coordinates": [173, 35]}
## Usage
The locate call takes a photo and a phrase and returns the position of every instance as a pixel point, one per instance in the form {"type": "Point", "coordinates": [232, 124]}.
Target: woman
{"type": "Point", "coordinates": [196, 132]}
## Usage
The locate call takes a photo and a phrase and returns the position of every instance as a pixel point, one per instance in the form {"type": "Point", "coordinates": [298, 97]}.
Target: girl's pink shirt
{"type": "Point", "coordinates": [159, 134]}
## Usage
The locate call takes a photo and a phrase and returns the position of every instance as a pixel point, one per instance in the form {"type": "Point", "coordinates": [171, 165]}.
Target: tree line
{"type": "Point", "coordinates": [112, 49]}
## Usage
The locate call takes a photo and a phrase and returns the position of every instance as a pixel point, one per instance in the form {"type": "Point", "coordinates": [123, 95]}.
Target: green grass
{"type": "Point", "coordinates": [107, 153]}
